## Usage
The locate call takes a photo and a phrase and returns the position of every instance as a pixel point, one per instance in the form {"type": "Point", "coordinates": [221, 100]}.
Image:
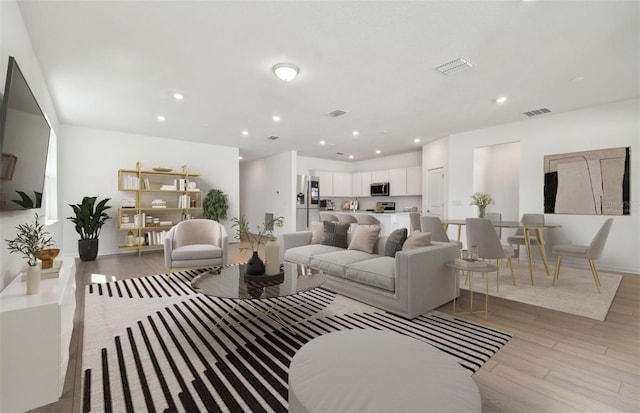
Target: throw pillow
{"type": "Point", "coordinates": [365, 238]}
{"type": "Point", "coordinates": [417, 239]}
{"type": "Point", "coordinates": [395, 241]}
{"type": "Point", "coordinates": [317, 232]}
{"type": "Point", "coordinates": [335, 234]}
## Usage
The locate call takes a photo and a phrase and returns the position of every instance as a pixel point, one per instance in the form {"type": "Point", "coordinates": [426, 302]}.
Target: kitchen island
{"type": "Point", "coordinates": [389, 221]}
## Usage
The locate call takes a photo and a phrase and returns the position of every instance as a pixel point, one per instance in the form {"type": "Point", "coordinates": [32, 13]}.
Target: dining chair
{"type": "Point", "coordinates": [518, 237]}
{"type": "Point", "coordinates": [367, 219]}
{"type": "Point", "coordinates": [414, 221]}
{"type": "Point", "coordinates": [433, 225]}
{"type": "Point", "coordinates": [481, 233]}
{"type": "Point", "coordinates": [326, 216]}
{"type": "Point", "coordinates": [591, 252]}
{"type": "Point", "coordinates": [496, 220]}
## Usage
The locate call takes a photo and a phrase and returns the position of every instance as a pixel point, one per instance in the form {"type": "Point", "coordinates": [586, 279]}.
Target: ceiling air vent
{"type": "Point", "coordinates": [336, 113]}
{"type": "Point", "coordinates": [454, 66]}
{"type": "Point", "coordinates": [536, 112]}
{"type": "Point", "coordinates": [273, 138]}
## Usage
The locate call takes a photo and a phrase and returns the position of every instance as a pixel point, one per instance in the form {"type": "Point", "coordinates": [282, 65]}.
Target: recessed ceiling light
{"type": "Point", "coordinates": [416, 140]}
{"type": "Point", "coordinates": [240, 158]}
{"type": "Point", "coordinates": [161, 118]}
{"type": "Point", "coordinates": [276, 118]}
{"type": "Point", "coordinates": [355, 133]}
{"type": "Point", "coordinates": [286, 71]}
{"type": "Point", "coordinates": [577, 79]}
{"type": "Point", "coordinates": [245, 133]}
{"type": "Point", "coordinates": [322, 142]}
{"type": "Point", "coordinates": [501, 99]}
{"type": "Point", "coordinates": [350, 156]}
{"type": "Point", "coordinates": [378, 151]}
{"type": "Point", "coordinates": [178, 96]}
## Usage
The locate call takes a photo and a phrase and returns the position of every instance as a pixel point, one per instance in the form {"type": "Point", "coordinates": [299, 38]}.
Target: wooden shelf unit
{"type": "Point", "coordinates": [146, 186]}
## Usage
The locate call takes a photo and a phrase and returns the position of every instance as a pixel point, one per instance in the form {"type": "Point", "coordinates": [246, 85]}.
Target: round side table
{"type": "Point", "coordinates": [487, 268]}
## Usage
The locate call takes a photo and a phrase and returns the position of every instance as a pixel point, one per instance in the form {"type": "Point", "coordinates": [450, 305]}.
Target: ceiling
{"type": "Point", "coordinates": [116, 64]}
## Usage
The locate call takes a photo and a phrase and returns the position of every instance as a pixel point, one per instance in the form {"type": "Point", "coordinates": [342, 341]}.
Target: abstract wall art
{"type": "Point", "coordinates": [588, 183]}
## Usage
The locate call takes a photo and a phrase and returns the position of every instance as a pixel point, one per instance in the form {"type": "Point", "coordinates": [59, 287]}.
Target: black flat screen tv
{"type": "Point", "coordinates": [24, 144]}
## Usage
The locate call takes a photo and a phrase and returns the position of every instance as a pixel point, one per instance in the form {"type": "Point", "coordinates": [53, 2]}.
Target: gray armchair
{"type": "Point", "coordinates": [196, 243]}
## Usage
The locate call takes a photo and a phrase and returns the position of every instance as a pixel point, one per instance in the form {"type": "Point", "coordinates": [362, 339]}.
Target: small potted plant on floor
{"type": "Point", "coordinates": [89, 219]}
{"type": "Point", "coordinates": [30, 240]}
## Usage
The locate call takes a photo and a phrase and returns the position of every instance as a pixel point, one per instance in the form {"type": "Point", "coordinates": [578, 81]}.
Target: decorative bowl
{"type": "Point", "coordinates": [162, 169]}
{"type": "Point", "coordinates": [47, 256]}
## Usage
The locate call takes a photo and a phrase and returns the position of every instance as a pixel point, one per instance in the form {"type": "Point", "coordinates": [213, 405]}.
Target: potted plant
{"type": "Point", "coordinates": [481, 200]}
{"type": "Point", "coordinates": [89, 218]}
{"type": "Point", "coordinates": [30, 240]}
{"type": "Point", "coordinates": [215, 205]}
{"type": "Point", "coordinates": [263, 234]}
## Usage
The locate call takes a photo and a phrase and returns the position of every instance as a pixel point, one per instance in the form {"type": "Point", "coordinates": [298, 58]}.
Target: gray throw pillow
{"type": "Point", "coordinates": [335, 234]}
{"type": "Point", "coordinates": [395, 241]}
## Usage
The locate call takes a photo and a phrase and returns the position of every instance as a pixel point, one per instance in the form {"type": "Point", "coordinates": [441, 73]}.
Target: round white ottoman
{"type": "Point", "coordinates": [378, 371]}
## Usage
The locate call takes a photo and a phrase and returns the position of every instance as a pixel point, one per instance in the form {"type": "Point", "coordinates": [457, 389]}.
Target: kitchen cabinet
{"type": "Point", "coordinates": [361, 182]}
{"type": "Point", "coordinates": [414, 180]}
{"type": "Point", "coordinates": [326, 183]}
{"type": "Point", "coordinates": [342, 184]}
{"type": "Point", "coordinates": [398, 182]}
{"type": "Point", "coordinates": [380, 176]}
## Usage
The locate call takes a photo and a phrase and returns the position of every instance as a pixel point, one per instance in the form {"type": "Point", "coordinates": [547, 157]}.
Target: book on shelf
{"type": "Point", "coordinates": [146, 184]}
{"type": "Point", "coordinates": [471, 263]}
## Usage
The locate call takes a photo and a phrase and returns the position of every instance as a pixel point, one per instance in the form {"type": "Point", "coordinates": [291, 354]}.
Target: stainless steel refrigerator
{"type": "Point", "coordinates": [307, 201]}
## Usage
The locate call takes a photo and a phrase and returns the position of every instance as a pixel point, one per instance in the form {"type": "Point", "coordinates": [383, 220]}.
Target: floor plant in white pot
{"type": "Point", "coordinates": [31, 238]}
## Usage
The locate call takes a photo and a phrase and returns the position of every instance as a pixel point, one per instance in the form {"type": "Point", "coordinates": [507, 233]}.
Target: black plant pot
{"type": "Point", "coordinates": [88, 249]}
{"type": "Point", "coordinates": [254, 266]}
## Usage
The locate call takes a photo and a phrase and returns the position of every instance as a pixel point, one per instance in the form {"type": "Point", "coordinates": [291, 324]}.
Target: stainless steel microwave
{"type": "Point", "coordinates": [380, 189]}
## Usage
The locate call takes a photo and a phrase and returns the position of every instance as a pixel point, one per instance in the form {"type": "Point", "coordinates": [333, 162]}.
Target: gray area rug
{"type": "Point", "coordinates": [155, 345]}
{"type": "Point", "coordinates": [574, 292]}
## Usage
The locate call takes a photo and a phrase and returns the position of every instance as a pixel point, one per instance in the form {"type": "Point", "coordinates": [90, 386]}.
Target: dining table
{"type": "Point", "coordinates": [526, 229]}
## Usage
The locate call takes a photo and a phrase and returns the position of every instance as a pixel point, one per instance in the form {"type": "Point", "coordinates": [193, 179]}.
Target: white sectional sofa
{"type": "Point", "coordinates": [409, 284]}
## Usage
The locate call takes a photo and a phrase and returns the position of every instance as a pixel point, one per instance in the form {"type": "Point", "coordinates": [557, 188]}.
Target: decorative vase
{"type": "Point", "coordinates": [272, 257]}
{"type": "Point", "coordinates": [254, 266]}
{"type": "Point", "coordinates": [88, 249]}
{"type": "Point", "coordinates": [481, 211]}
{"type": "Point", "coordinates": [33, 280]}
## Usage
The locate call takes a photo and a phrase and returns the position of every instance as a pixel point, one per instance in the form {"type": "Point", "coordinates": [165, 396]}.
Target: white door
{"type": "Point", "coordinates": [435, 192]}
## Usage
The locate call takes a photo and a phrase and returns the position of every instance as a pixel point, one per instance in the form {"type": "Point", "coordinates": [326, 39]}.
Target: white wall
{"type": "Point", "coordinates": [14, 41]}
{"type": "Point", "coordinates": [268, 186]}
{"type": "Point", "coordinates": [89, 160]}
{"type": "Point", "coordinates": [497, 172]}
{"type": "Point", "coordinates": [606, 126]}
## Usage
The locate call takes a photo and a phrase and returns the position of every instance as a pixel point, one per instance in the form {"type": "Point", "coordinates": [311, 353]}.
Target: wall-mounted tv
{"type": "Point", "coordinates": [24, 144]}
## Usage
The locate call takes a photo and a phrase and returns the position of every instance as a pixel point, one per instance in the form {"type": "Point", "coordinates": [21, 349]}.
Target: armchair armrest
{"type": "Point", "coordinates": [292, 240]}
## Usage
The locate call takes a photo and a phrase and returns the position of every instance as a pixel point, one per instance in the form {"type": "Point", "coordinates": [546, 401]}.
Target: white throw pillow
{"type": "Point", "coordinates": [365, 238]}
{"type": "Point", "coordinates": [317, 231]}
{"type": "Point", "coordinates": [417, 239]}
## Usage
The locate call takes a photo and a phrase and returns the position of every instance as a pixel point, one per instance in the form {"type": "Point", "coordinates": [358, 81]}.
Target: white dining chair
{"type": "Point", "coordinates": [414, 222]}
{"type": "Point", "coordinates": [433, 225]}
{"type": "Point", "coordinates": [481, 233]}
{"type": "Point", "coordinates": [518, 237]}
{"type": "Point", "coordinates": [591, 252]}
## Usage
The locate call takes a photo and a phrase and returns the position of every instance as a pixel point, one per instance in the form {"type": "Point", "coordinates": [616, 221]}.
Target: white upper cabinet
{"type": "Point", "coordinates": [414, 180]}
{"type": "Point", "coordinates": [398, 182]}
{"type": "Point", "coordinates": [361, 182]}
{"type": "Point", "coordinates": [326, 183]}
{"type": "Point", "coordinates": [342, 184]}
{"type": "Point", "coordinates": [380, 176]}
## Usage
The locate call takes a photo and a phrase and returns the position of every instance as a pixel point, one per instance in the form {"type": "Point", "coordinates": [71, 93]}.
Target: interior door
{"type": "Point", "coordinates": [435, 192]}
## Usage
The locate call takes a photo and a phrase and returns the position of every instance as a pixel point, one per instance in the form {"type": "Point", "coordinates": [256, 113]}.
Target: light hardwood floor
{"type": "Point", "coordinates": [556, 362]}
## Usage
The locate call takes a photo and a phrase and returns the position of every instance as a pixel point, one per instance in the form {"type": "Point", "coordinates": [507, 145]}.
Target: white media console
{"type": "Point", "coordinates": [35, 332]}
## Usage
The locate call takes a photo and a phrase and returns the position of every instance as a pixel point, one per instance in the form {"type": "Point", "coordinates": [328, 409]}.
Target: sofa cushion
{"type": "Point", "coordinates": [365, 238]}
{"type": "Point", "coordinates": [317, 232]}
{"type": "Point", "coordinates": [417, 239]}
{"type": "Point", "coordinates": [335, 234]}
{"type": "Point", "coordinates": [196, 252]}
{"type": "Point", "coordinates": [303, 254]}
{"type": "Point", "coordinates": [395, 241]}
{"type": "Point", "coordinates": [335, 263]}
{"type": "Point", "coordinates": [378, 272]}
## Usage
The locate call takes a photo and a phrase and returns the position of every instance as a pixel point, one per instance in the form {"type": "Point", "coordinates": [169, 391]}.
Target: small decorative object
{"type": "Point", "coordinates": [30, 240]}
{"type": "Point", "coordinates": [89, 219]}
{"type": "Point", "coordinates": [263, 234]}
{"type": "Point", "coordinates": [464, 254]}
{"type": "Point", "coordinates": [161, 169]}
{"type": "Point", "coordinates": [130, 238]}
{"type": "Point", "coordinates": [272, 257]}
{"type": "Point", "coordinates": [47, 256]}
{"type": "Point", "coordinates": [481, 200]}
{"type": "Point", "coordinates": [473, 252]}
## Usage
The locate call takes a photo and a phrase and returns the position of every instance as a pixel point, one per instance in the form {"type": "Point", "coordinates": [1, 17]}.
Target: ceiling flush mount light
{"type": "Point", "coordinates": [161, 118]}
{"type": "Point", "coordinates": [502, 99]}
{"type": "Point", "coordinates": [276, 118]}
{"type": "Point", "coordinates": [286, 71]}
{"type": "Point", "coordinates": [178, 96]}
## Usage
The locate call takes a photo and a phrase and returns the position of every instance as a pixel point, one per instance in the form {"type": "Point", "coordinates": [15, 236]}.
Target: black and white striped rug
{"type": "Point", "coordinates": [155, 345]}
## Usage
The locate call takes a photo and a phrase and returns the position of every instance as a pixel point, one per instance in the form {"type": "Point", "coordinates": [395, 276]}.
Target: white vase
{"type": "Point", "coordinates": [272, 257]}
{"type": "Point", "coordinates": [33, 280]}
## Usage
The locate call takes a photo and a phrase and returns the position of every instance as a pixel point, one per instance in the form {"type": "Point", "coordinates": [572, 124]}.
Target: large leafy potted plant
{"type": "Point", "coordinates": [30, 240]}
{"type": "Point", "coordinates": [215, 205]}
{"type": "Point", "coordinates": [89, 218]}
